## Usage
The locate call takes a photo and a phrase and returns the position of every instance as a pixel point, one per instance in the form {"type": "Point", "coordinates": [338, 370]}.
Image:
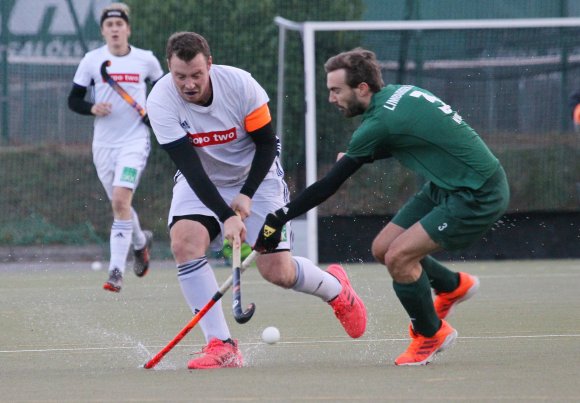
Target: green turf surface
{"type": "Point", "coordinates": [64, 339]}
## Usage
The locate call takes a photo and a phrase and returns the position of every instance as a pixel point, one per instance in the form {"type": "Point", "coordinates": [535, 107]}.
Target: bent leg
{"type": "Point", "coordinates": [189, 241]}
{"type": "Point", "coordinates": [441, 278]}
{"type": "Point", "coordinates": [299, 274]}
{"type": "Point", "coordinates": [122, 227]}
{"type": "Point", "coordinates": [332, 286]}
{"type": "Point", "coordinates": [410, 282]}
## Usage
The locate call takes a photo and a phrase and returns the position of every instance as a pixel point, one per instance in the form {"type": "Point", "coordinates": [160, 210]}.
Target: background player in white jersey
{"type": "Point", "coordinates": [214, 122]}
{"type": "Point", "coordinates": [121, 142]}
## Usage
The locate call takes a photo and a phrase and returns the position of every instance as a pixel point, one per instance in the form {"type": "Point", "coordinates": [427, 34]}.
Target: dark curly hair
{"type": "Point", "coordinates": [361, 66]}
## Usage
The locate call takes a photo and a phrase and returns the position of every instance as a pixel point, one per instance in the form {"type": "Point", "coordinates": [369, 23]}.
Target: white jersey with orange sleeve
{"type": "Point", "coordinates": [219, 131]}
{"type": "Point", "coordinates": [123, 125]}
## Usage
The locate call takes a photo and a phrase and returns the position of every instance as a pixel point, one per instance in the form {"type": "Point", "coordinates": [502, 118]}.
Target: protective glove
{"type": "Point", "coordinates": [271, 232]}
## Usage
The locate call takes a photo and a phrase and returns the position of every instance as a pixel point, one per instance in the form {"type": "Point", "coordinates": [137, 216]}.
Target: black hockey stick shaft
{"type": "Point", "coordinates": [239, 315]}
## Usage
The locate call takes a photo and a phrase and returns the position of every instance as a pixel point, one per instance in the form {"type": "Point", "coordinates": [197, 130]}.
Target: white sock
{"type": "Point", "coordinates": [198, 285]}
{"type": "Point", "coordinates": [138, 235]}
{"type": "Point", "coordinates": [311, 279]}
{"type": "Point", "coordinates": [120, 242]}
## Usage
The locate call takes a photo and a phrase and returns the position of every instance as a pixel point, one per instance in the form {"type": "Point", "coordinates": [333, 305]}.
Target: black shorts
{"type": "Point", "coordinates": [209, 222]}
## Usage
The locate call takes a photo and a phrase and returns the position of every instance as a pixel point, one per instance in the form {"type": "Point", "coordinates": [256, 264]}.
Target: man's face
{"type": "Point", "coordinates": [341, 95]}
{"type": "Point", "coordinates": [192, 78]}
{"type": "Point", "coordinates": [116, 32]}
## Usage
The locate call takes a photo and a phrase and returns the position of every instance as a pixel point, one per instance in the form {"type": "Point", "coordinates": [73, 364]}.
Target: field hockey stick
{"type": "Point", "coordinates": [122, 93]}
{"type": "Point", "coordinates": [239, 315]}
{"type": "Point", "coordinates": [216, 297]}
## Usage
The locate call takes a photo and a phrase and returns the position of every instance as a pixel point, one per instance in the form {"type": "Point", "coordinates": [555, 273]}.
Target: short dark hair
{"type": "Point", "coordinates": [361, 66]}
{"type": "Point", "coordinates": [187, 45]}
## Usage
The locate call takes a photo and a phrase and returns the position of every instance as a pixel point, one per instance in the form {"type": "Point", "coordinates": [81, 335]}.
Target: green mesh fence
{"type": "Point", "coordinates": [511, 85]}
{"type": "Point", "coordinates": [49, 191]}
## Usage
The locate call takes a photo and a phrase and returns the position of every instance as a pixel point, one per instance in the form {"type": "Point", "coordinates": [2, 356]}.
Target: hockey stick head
{"type": "Point", "coordinates": [104, 66]}
{"type": "Point", "coordinates": [239, 315]}
{"type": "Point", "coordinates": [243, 316]}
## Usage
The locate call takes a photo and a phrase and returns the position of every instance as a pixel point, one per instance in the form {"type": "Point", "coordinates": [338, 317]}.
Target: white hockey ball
{"type": "Point", "coordinates": [271, 335]}
{"type": "Point", "coordinates": [96, 266]}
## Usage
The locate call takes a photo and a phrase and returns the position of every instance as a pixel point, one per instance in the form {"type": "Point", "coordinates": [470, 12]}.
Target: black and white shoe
{"type": "Point", "coordinates": [141, 261]}
{"type": "Point", "coordinates": [115, 281]}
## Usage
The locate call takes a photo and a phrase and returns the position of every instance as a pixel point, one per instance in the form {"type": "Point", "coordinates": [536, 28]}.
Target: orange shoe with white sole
{"type": "Point", "coordinates": [445, 301]}
{"type": "Point", "coordinates": [422, 349]}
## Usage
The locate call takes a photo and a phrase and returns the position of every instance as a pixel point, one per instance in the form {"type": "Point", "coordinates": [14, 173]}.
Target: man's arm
{"type": "Point", "coordinates": [270, 235]}
{"type": "Point", "coordinates": [265, 141]}
{"type": "Point", "coordinates": [319, 191]}
{"type": "Point", "coordinates": [76, 100]}
{"type": "Point", "coordinates": [187, 161]}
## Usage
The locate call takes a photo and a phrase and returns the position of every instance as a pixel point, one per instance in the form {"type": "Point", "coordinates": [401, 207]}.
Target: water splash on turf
{"type": "Point", "coordinates": [134, 350]}
{"type": "Point", "coordinates": [145, 355]}
{"type": "Point", "coordinates": [252, 353]}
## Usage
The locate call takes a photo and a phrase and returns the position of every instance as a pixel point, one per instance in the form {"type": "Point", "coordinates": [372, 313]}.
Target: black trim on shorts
{"type": "Point", "coordinates": [209, 222]}
{"type": "Point", "coordinates": [275, 251]}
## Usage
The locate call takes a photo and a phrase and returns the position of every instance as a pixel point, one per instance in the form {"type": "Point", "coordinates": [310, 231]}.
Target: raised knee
{"type": "Point", "coordinates": [378, 251]}
{"type": "Point", "coordinates": [394, 262]}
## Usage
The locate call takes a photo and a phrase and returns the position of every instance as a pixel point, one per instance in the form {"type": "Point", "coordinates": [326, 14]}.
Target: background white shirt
{"type": "Point", "coordinates": [123, 125]}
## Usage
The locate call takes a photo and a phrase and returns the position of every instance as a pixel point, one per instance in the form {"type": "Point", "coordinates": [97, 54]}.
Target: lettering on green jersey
{"type": "Point", "coordinates": [446, 109]}
{"type": "Point", "coordinates": [392, 102]}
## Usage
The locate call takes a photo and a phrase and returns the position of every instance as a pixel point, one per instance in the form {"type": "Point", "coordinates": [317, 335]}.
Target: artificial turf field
{"type": "Point", "coordinates": [64, 339]}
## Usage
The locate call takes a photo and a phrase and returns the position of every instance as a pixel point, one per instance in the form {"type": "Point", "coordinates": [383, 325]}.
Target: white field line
{"type": "Point", "coordinates": [264, 283]}
{"type": "Point", "coordinates": [81, 349]}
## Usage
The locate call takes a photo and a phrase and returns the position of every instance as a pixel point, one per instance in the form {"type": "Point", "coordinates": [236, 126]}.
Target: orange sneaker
{"type": "Point", "coordinates": [347, 306]}
{"type": "Point", "coordinates": [445, 301]}
{"type": "Point", "coordinates": [218, 354]}
{"type": "Point", "coordinates": [422, 349]}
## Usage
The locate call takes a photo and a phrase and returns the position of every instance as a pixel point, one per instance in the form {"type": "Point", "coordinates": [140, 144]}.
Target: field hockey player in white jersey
{"type": "Point", "coordinates": [121, 138]}
{"type": "Point", "coordinates": [214, 122]}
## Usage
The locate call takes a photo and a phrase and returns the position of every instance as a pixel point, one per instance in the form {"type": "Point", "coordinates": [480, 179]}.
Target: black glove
{"type": "Point", "coordinates": [271, 232]}
{"type": "Point", "coordinates": [145, 119]}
